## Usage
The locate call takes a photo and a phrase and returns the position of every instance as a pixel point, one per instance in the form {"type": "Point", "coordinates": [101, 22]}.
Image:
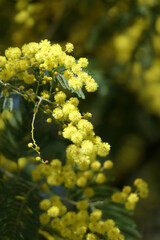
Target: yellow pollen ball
{"type": "Point", "coordinates": [108, 164]}
{"type": "Point", "coordinates": [53, 211]}
{"type": "Point", "coordinates": [81, 182]}
{"type": "Point", "coordinates": [30, 145]}
{"type": "Point", "coordinates": [101, 178]}
{"type": "Point", "coordinates": [69, 47]}
{"type": "Point", "coordinates": [44, 219]}
{"type": "Point", "coordinates": [49, 120]}
{"type": "Point", "coordinates": [38, 158]}
{"type": "Point", "coordinates": [45, 204]}
{"type": "Point", "coordinates": [89, 192]}
{"type": "Point", "coordinates": [96, 165]}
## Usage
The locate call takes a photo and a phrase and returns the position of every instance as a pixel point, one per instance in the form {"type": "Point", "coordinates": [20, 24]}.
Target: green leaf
{"type": "Point", "coordinates": [1, 103]}
{"type": "Point", "coordinates": [64, 83]}
{"type": "Point", "coordinates": [19, 210]}
{"type": "Point", "coordinates": [8, 103]}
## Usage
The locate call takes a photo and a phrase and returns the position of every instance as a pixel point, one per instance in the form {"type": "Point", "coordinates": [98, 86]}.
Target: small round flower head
{"type": "Point", "coordinates": [75, 82]}
{"type": "Point", "coordinates": [130, 206]}
{"type": "Point", "coordinates": [96, 215]}
{"type": "Point", "coordinates": [119, 197]}
{"type": "Point", "coordinates": [68, 108]}
{"type": "Point", "coordinates": [82, 205]}
{"type": "Point", "coordinates": [81, 182]}
{"type": "Point", "coordinates": [75, 116]}
{"type": "Point", "coordinates": [83, 62]}
{"type": "Point", "coordinates": [77, 137]}
{"type": "Point", "coordinates": [91, 85]}
{"type": "Point", "coordinates": [103, 149]}
{"type": "Point", "coordinates": [30, 145]}
{"type": "Point", "coordinates": [133, 198]}
{"type": "Point", "coordinates": [127, 189]}
{"type": "Point", "coordinates": [96, 165]}
{"type": "Point", "coordinates": [74, 101]}
{"type": "Point", "coordinates": [108, 164]}
{"type": "Point", "coordinates": [13, 53]}
{"type": "Point", "coordinates": [53, 211]}
{"type": "Point", "coordinates": [87, 147]}
{"type": "Point", "coordinates": [67, 74]}
{"type": "Point", "coordinates": [109, 224]}
{"type": "Point", "coordinates": [44, 219]}
{"type": "Point", "coordinates": [2, 61]}
{"type": "Point", "coordinates": [113, 233]}
{"type": "Point", "coordinates": [69, 131]}
{"type": "Point", "coordinates": [49, 120]}
{"type": "Point", "coordinates": [101, 178]}
{"type": "Point", "coordinates": [57, 113]}
{"type": "Point", "coordinates": [69, 47]}
{"type": "Point", "coordinates": [84, 124]}
{"type": "Point", "coordinates": [91, 236]}
{"type": "Point", "coordinates": [88, 174]}
{"type": "Point", "coordinates": [89, 192]}
{"type": "Point", "coordinates": [60, 97]}
{"type": "Point", "coordinates": [45, 204]}
{"type": "Point", "coordinates": [56, 164]}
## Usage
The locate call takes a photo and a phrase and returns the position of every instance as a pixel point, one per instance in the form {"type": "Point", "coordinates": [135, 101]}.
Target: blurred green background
{"type": "Point", "coordinates": [121, 39]}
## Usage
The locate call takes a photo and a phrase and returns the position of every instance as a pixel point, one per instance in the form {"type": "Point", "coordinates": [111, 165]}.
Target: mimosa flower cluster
{"type": "Point", "coordinates": [77, 224]}
{"type": "Point", "coordinates": [38, 72]}
{"type": "Point", "coordinates": [128, 197]}
{"type": "Point", "coordinates": [46, 57]}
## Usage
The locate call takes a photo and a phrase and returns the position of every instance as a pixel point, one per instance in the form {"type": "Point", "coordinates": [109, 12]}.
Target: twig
{"type": "Point", "coordinates": [33, 121]}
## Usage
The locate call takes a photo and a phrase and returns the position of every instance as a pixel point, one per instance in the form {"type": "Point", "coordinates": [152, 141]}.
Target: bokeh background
{"type": "Point", "coordinates": [121, 39]}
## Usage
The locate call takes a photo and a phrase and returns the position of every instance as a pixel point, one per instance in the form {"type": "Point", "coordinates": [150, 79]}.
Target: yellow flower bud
{"type": "Point", "coordinates": [53, 211]}
{"type": "Point", "coordinates": [30, 145]}
{"type": "Point", "coordinates": [45, 204]}
{"type": "Point", "coordinates": [108, 164]}
{"type": "Point", "coordinates": [96, 165]}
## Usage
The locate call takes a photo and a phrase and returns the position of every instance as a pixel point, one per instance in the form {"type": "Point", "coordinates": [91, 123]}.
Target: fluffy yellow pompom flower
{"type": "Point", "coordinates": [96, 165]}
{"type": "Point", "coordinates": [68, 108]}
{"type": "Point", "coordinates": [95, 215]}
{"type": "Point", "coordinates": [103, 149]}
{"type": "Point", "coordinates": [69, 47]}
{"type": "Point", "coordinates": [109, 224]}
{"type": "Point", "coordinates": [133, 198]}
{"type": "Point", "coordinates": [75, 82]}
{"type": "Point", "coordinates": [101, 178]}
{"type": "Point", "coordinates": [82, 205]}
{"type": "Point", "coordinates": [53, 211]}
{"type": "Point", "coordinates": [108, 164]}
{"type": "Point", "coordinates": [77, 137]}
{"type": "Point", "coordinates": [83, 62]}
{"type": "Point", "coordinates": [119, 197]}
{"type": "Point", "coordinates": [142, 187]}
{"type": "Point", "coordinates": [91, 236]}
{"type": "Point", "coordinates": [84, 124]}
{"type": "Point", "coordinates": [91, 85]}
{"type": "Point", "coordinates": [113, 233]}
{"type": "Point", "coordinates": [81, 182]}
{"type": "Point", "coordinates": [75, 116]}
{"type": "Point", "coordinates": [127, 189]}
{"type": "Point", "coordinates": [56, 164]}
{"type": "Point", "coordinates": [44, 219]}
{"type": "Point", "coordinates": [69, 131]}
{"type": "Point", "coordinates": [89, 192]}
{"type": "Point", "coordinates": [60, 97]}
{"type": "Point", "coordinates": [45, 204]}
{"type": "Point", "coordinates": [57, 113]}
{"type": "Point", "coordinates": [87, 147]}
{"type": "Point", "coordinates": [13, 53]}
{"type": "Point", "coordinates": [2, 61]}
